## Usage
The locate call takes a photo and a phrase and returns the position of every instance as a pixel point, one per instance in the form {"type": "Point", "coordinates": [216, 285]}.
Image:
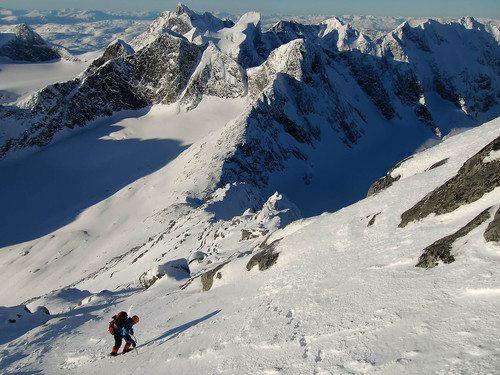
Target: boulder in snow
{"type": "Point", "coordinates": [493, 231]}
{"type": "Point", "coordinates": [177, 269]}
{"type": "Point", "coordinates": [265, 258]}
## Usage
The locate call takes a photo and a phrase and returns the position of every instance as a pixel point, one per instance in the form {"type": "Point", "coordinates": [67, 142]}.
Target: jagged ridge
{"type": "Point", "coordinates": [306, 81]}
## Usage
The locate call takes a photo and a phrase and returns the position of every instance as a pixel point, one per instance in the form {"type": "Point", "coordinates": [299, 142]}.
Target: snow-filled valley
{"type": "Point", "coordinates": [232, 256]}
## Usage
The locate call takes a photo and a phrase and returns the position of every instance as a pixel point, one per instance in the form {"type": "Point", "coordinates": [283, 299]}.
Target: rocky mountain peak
{"type": "Point", "coordinates": [183, 9]}
{"type": "Point", "coordinates": [115, 50]}
{"type": "Point", "coordinates": [342, 35]}
{"type": "Point", "coordinates": [25, 34]}
{"type": "Point", "coordinates": [26, 45]}
{"type": "Point", "coordinates": [217, 74]}
{"type": "Point", "coordinates": [471, 24]}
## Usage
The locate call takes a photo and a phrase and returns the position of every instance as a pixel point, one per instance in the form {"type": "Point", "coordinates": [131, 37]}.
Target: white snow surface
{"type": "Point", "coordinates": [343, 297]}
{"type": "Point", "coordinates": [84, 218]}
{"type": "Point", "coordinates": [20, 80]}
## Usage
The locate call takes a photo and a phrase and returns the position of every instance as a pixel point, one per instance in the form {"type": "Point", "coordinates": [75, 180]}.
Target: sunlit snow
{"type": "Point", "coordinates": [84, 218]}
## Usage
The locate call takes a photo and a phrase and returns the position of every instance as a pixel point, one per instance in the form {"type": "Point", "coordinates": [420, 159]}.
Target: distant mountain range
{"type": "Point", "coordinates": [309, 86]}
{"type": "Point", "coordinates": [68, 16]}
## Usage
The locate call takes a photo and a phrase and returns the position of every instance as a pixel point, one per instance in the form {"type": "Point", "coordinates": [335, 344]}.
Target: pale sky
{"type": "Point", "coordinates": [413, 8]}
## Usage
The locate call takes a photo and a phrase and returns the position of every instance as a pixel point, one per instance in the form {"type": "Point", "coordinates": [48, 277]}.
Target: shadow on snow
{"type": "Point", "coordinates": [50, 188]}
{"type": "Point", "coordinates": [174, 332]}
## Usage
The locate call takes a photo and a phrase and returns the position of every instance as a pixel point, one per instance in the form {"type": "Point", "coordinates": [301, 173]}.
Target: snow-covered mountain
{"type": "Point", "coordinates": [79, 31]}
{"type": "Point", "coordinates": [186, 196]}
{"type": "Point", "coordinates": [23, 44]}
{"type": "Point", "coordinates": [307, 86]}
{"type": "Point", "coordinates": [68, 16]}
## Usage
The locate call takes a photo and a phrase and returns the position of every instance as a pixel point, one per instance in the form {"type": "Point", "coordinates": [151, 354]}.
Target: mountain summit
{"type": "Point", "coordinates": [26, 45]}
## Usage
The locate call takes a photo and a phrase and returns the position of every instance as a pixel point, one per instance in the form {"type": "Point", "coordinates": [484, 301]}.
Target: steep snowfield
{"type": "Point", "coordinates": [343, 297]}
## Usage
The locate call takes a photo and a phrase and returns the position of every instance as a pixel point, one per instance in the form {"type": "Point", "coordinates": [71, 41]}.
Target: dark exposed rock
{"type": "Point", "coordinates": [474, 179]}
{"type": "Point", "coordinates": [207, 278]}
{"type": "Point", "coordinates": [372, 220]}
{"type": "Point", "coordinates": [162, 69]}
{"type": "Point", "coordinates": [386, 181]}
{"type": "Point", "coordinates": [28, 46]}
{"type": "Point", "coordinates": [366, 72]}
{"type": "Point", "coordinates": [407, 87]}
{"type": "Point", "coordinates": [251, 234]}
{"type": "Point", "coordinates": [441, 249]}
{"type": "Point", "coordinates": [265, 258]}
{"type": "Point", "coordinates": [382, 184]}
{"type": "Point", "coordinates": [423, 113]}
{"type": "Point", "coordinates": [492, 233]}
{"type": "Point", "coordinates": [439, 164]}
{"type": "Point", "coordinates": [445, 88]}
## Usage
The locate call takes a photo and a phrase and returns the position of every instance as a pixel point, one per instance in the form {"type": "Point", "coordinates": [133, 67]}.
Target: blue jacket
{"type": "Point", "coordinates": [126, 330]}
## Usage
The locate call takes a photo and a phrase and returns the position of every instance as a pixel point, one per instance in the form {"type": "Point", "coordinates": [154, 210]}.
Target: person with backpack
{"type": "Point", "coordinates": [121, 327]}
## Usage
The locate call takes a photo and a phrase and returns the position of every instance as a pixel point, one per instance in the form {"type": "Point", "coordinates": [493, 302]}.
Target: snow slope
{"type": "Point", "coordinates": [88, 219]}
{"type": "Point", "coordinates": [343, 297]}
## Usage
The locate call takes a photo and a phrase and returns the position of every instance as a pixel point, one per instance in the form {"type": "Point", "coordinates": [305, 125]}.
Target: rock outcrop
{"type": "Point", "coordinates": [265, 258]}
{"type": "Point", "coordinates": [386, 181]}
{"type": "Point", "coordinates": [478, 176]}
{"type": "Point", "coordinates": [177, 269]}
{"type": "Point", "coordinates": [26, 45]}
{"type": "Point", "coordinates": [207, 278]}
{"type": "Point", "coordinates": [492, 233]}
{"type": "Point", "coordinates": [441, 249]}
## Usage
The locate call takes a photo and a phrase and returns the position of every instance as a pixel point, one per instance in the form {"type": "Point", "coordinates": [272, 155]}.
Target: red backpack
{"type": "Point", "coordinates": [119, 321]}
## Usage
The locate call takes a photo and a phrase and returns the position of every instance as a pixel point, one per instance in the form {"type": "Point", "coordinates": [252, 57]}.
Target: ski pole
{"type": "Point", "coordinates": [135, 347]}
